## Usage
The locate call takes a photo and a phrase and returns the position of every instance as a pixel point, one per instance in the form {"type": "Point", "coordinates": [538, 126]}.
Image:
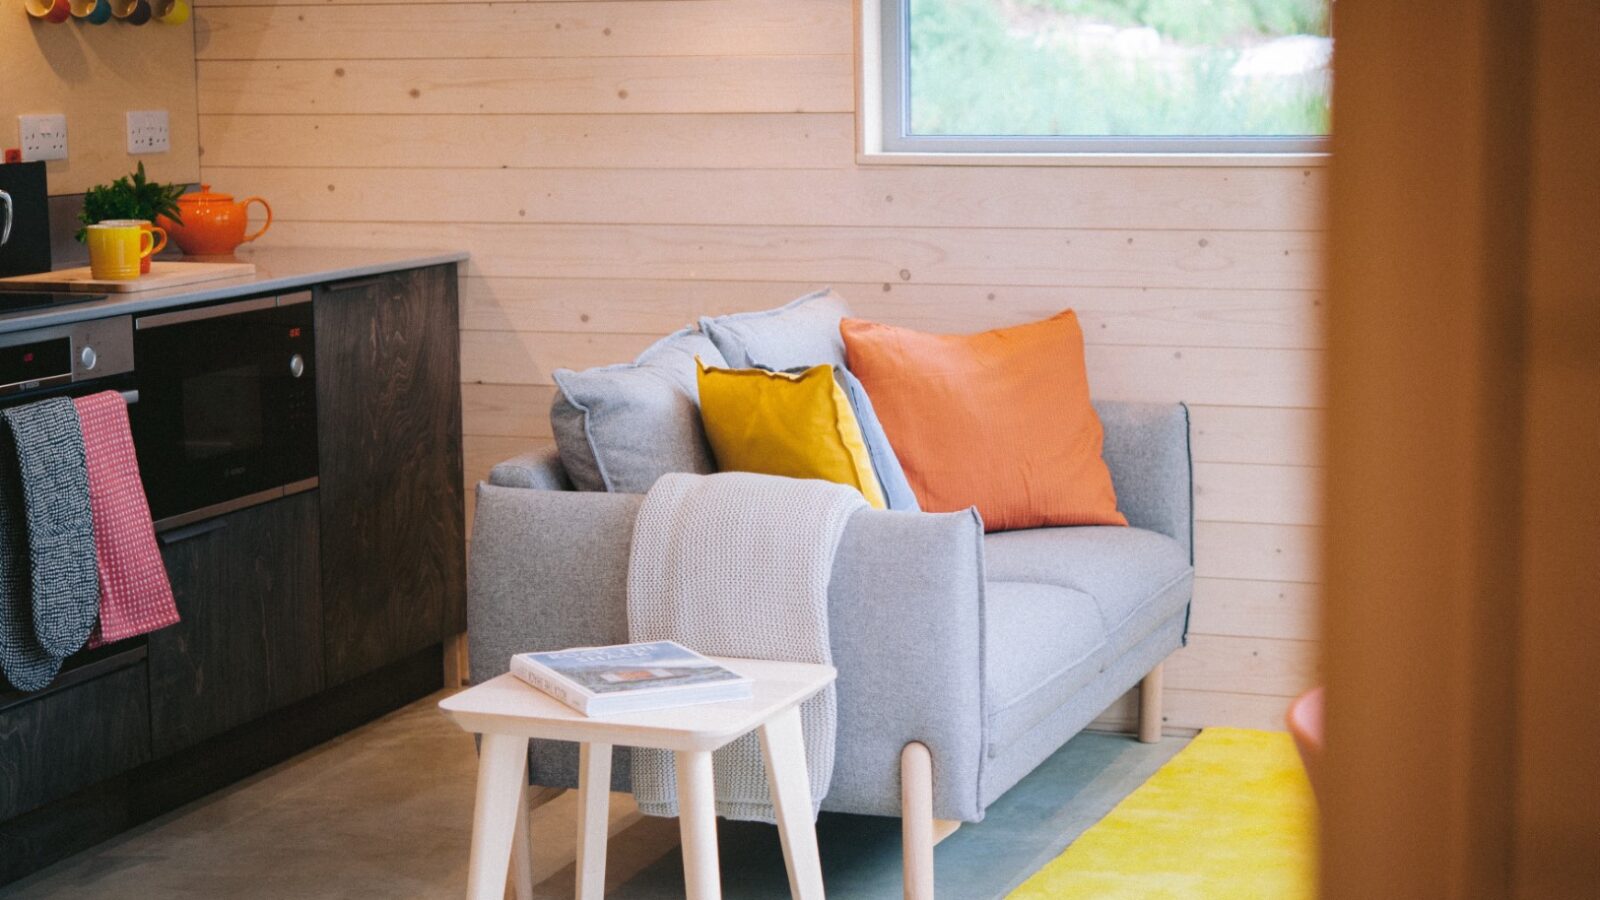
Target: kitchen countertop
{"type": "Point", "coordinates": [278, 269]}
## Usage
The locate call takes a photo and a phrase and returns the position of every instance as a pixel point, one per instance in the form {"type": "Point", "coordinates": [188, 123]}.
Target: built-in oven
{"type": "Point", "coordinates": [227, 414]}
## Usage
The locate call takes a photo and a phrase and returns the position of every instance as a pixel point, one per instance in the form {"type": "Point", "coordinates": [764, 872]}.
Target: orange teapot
{"type": "Point", "coordinates": [213, 224]}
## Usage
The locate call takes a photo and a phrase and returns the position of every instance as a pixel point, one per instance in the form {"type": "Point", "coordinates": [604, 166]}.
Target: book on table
{"type": "Point", "coordinates": [598, 681]}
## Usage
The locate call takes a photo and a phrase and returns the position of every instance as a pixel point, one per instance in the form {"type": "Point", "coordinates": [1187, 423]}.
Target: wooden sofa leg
{"type": "Point", "coordinates": [1150, 706]}
{"type": "Point", "coordinates": [919, 830]}
{"type": "Point", "coordinates": [916, 819]}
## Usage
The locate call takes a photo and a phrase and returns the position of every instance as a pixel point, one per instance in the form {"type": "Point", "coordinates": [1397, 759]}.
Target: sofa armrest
{"type": "Point", "coordinates": [549, 569]}
{"type": "Point", "coordinates": [905, 605]}
{"type": "Point", "coordinates": [1147, 450]}
{"type": "Point", "coordinates": [539, 469]}
{"type": "Point", "coordinates": [906, 612]}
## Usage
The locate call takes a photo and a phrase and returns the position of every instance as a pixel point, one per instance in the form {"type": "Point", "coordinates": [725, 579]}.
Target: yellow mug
{"type": "Point", "coordinates": [116, 246]}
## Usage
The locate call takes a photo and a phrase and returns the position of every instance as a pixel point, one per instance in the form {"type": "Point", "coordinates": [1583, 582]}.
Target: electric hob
{"type": "Point", "coordinates": [16, 301]}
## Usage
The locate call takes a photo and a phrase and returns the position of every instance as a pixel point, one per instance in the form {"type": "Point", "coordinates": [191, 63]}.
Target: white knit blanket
{"type": "Point", "coordinates": [737, 564]}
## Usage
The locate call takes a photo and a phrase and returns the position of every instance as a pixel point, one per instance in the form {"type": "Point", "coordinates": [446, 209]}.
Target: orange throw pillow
{"type": "Point", "coordinates": [999, 420]}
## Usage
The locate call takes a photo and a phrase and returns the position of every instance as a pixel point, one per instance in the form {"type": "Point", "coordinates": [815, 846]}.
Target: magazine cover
{"type": "Point", "coordinates": [632, 667]}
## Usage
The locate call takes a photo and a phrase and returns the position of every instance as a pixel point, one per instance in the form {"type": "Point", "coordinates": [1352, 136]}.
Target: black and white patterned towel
{"type": "Point", "coordinates": [53, 477]}
{"type": "Point", "coordinates": [25, 664]}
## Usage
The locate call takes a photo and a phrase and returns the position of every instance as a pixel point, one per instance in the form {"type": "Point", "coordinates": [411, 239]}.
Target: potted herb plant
{"type": "Point", "coordinates": [130, 197]}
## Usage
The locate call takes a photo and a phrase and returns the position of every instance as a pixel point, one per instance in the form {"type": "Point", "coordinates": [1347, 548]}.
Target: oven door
{"type": "Point", "coordinates": [227, 412]}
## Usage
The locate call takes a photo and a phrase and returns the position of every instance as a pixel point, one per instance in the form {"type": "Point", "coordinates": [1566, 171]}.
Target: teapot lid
{"type": "Point", "coordinates": [205, 195]}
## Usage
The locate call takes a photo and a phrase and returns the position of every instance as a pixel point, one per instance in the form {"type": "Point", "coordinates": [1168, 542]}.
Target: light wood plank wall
{"type": "Point", "coordinates": [94, 76]}
{"type": "Point", "coordinates": [617, 168]}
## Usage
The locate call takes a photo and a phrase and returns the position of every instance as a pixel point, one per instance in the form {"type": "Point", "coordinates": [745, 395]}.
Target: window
{"type": "Point", "coordinates": [1102, 76]}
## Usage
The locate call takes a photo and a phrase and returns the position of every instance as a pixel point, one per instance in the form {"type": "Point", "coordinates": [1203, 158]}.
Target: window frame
{"type": "Point", "coordinates": [884, 83]}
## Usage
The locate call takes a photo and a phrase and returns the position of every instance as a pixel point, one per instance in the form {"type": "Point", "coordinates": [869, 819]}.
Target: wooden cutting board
{"type": "Point", "coordinates": [162, 275]}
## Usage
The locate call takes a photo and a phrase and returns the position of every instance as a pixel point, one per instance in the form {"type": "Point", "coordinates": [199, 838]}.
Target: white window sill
{"type": "Point", "coordinates": [1167, 160]}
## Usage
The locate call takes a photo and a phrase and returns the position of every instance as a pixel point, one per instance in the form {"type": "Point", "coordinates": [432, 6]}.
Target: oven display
{"type": "Point", "coordinates": [25, 364]}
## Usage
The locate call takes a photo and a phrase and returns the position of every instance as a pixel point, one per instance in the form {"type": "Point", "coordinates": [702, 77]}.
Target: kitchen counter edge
{"type": "Point", "coordinates": [361, 264]}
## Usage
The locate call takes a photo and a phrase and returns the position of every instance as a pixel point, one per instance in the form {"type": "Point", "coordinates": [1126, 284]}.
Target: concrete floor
{"type": "Point", "coordinates": [382, 812]}
{"type": "Point", "coordinates": [386, 811]}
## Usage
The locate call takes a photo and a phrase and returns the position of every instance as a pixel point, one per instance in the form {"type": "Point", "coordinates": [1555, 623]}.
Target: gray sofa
{"type": "Point", "coordinates": [990, 651]}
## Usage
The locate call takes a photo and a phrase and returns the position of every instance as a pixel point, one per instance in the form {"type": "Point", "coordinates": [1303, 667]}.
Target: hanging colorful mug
{"type": "Point", "coordinates": [170, 12]}
{"type": "Point", "coordinates": [133, 12]}
{"type": "Point", "coordinates": [53, 11]}
{"type": "Point", "coordinates": [91, 12]}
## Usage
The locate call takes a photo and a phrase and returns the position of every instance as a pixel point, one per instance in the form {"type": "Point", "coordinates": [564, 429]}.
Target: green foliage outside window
{"type": "Point", "coordinates": [1120, 67]}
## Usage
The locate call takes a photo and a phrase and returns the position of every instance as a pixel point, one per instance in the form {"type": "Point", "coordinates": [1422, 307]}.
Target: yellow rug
{"type": "Point", "coordinates": [1231, 816]}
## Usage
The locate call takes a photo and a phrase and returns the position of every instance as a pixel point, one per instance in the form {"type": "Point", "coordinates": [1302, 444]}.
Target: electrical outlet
{"type": "Point", "coordinates": [147, 131]}
{"type": "Point", "coordinates": [43, 137]}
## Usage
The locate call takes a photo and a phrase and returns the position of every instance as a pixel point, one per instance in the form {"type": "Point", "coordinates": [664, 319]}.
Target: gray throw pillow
{"type": "Point", "coordinates": [619, 428]}
{"type": "Point", "coordinates": [803, 332]}
{"type": "Point", "coordinates": [897, 491]}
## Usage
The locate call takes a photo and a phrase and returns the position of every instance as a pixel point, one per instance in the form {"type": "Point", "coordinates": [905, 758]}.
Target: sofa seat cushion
{"type": "Point", "coordinates": [1137, 578]}
{"type": "Point", "coordinates": [1042, 644]}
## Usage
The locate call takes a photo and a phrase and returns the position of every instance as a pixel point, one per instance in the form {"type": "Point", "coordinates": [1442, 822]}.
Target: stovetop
{"type": "Point", "coordinates": [16, 301]}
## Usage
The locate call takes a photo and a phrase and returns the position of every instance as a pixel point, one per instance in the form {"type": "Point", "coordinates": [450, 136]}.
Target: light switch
{"type": "Point", "coordinates": [43, 137]}
{"type": "Point", "coordinates": [147, 131]}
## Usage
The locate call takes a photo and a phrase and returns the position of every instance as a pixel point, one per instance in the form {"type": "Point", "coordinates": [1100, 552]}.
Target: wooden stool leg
{"type": "Point", "coordinates": [783, 746]}
{"type": "Point", "coordinates": [1150, 706]}
{"type": "Point", "coordinates": [502, 772]}
{"type": "Point", "coordinates": [594, 810]}
{"type": "Point", "coordinates": [916, 820]}
{"type": "Point", "coordinates": [534, 796]}
{"type": "Point", "coordinates": [522, 850]}
{"type": "Point", "coordinates": [697, 823]}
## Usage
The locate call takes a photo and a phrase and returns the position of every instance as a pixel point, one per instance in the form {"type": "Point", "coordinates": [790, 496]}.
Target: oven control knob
{"type": "Point", "coordinates": [88, 357]}
{"type": "Point", "coordinates": [297, 365]}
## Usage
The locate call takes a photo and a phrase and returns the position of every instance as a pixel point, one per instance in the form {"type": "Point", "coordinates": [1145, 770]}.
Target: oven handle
{"type": "Point", "coordinates": [161, 320]}
{"type": "Point", "coordinates": [177, 535]}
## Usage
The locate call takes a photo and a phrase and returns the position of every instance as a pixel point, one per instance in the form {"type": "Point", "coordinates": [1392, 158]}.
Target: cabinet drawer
{"type": "Point", "coordinates": [251, 636]}
{"type": "Point", "coordinates": [69, 738]}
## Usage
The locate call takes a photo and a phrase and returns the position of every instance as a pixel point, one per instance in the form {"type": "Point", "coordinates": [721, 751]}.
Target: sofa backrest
{"type": "Point", "coordinates": [1146, 448]}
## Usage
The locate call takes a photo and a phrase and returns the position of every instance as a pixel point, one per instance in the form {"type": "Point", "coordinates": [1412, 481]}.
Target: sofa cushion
{"type": "Point", "coordinates": [891, 477]}
{"type": "Point", "coordinates": [1137, 578]}
{"type": "Point", "coordinates": [803, 332]}
{"type": "Point", "coordinates": [1000, 420]}
{"type": "Point", "coordinates": [619, 428]}
{"type": "Point", "coordinates": [1042, 644]}
{"type": "Point", "coordinates": [791, 424]}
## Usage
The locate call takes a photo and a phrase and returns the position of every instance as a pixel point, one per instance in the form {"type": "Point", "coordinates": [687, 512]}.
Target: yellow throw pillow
{"type": "Point", "coordinates": [794, 425]}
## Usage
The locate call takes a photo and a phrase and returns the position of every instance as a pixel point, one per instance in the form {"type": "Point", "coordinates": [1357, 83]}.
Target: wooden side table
{"type": "Point", "coordinates": [508, 712]}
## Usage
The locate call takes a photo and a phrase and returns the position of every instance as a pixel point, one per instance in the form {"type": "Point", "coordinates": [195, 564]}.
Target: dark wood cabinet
{"type": "Point", "coordinates": [73, 735]}
{"type": "Point", "coordinates": [250, 637]}
{"type": "Point", "coordinates": [393, 513]}
{"type": "Point", "coordinates": [301, 617]}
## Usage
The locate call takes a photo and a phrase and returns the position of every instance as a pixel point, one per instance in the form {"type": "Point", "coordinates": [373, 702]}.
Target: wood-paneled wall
{"type": "Point", "coordinates": [617, 168]}
{"type": "Point", "coordinates": [94, 75]}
